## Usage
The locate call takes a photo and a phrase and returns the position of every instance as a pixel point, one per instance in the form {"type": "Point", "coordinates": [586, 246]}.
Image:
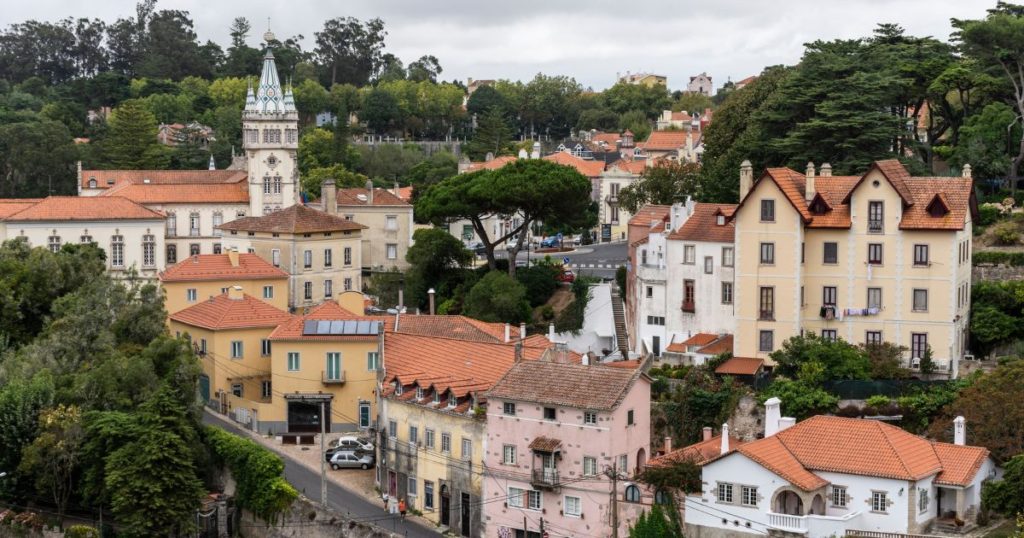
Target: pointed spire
{"type": "Point", "coordinates": [269, 98]}
{"type": "Point", "coordinates": [213, 165]}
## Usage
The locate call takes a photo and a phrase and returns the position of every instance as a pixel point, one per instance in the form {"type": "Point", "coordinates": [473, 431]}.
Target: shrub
{"type": "Point", "coordinates": [800, 399]}
{"type": "Point", "coordinates": [849, 411]}
{"type": "Point", "coordinates": [81, 531]}
{"type": "Point", "coordinates": [497, 297]}
{"type": "Point", "coordinates": [540, 282]}
{"type": "Point", "coordinates": [547, 313]}
{"type": "Point", "coordinates": [878, 401]}
{"type": "Point", "coordinates": [1006, 233]}
{"type": "Point", "coordinates": [258, 472]}
{"type": "Point", "coordinates": [987, 215]}
{"type": "Point", "coordinates": [1013, 259]}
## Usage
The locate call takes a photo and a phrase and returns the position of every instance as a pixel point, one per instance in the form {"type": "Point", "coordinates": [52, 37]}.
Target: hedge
{"type": "Point", "coordinates": [257, 472]}
{"type": "Point", "coordinates": [1013, 259]}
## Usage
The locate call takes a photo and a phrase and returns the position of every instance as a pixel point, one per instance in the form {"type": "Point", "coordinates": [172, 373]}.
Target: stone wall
{"type": "Point", "coordinates": [308, 519]}
{"type": "Point", "coordinates": [996, 272]}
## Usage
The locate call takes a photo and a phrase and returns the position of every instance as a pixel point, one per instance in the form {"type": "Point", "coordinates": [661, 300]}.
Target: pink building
{"type": "Point", "coordinates": [557, 433]}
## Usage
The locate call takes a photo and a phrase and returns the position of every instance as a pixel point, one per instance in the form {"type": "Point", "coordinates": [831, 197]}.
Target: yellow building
{"type": "Point", "coordinates": [320, 253]}
{"type": "Point", "coordinates": [646, 79]}
{"type": "Point", "coordinates": [882, 256]}
{"type": "Point", "coordinates": [200, 277]}
{"type": "Point", "coordinates": [230, 333]}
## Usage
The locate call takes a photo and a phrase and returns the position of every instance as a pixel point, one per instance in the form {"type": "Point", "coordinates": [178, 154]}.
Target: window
{"type": "Point", "coordinates": [629, 418]}
{"type": "Point", "coordinates": [727, 257]}
{"type": "Point", "coordinates": [689, 254]}
{"type": "Point", "coordinates": [767, 210]}
{"type": "Point", "coordinates": [590, 418]}
{"type": "Point", "coordinates": [172, 254]}
{"type": "Point", "coordinates": [446, 442]}
{"type": "Point", "coordinates": [328, 258]}
{"type": "Point", "coordinates": [533, 500]}
{"type": "Point", "coordinates": [922, 500]}
{"type": "Point", "coordinates": [709, 265]}
{"type": "Point", "coordinates": [828, 295]}
{"type": "Point", "coordinates": [392, 251]}
{"type": "Point", "coordinates": [347, 283]}
{"type": "Point", "coordinates": [878, 501]}
{"type": "Point", "coordinates": [767, 253]}
{"type": "Point", "coordinates": [172, 225]}
{"type": "Point", "coordinates": [217, 249]}
{"type": "Point", "coordinates": [148, 251]}
{"type": "Point", "coordinates": [632, 494]}
{"type": "Point", "coordinates": [202, 346]}
{"type": "Point", "coordinates": [392, 429]}
{"type": "Point", "coordinates": [875, 298]}
{"type": "Point", "coordinates": [92, 183]}
{"type": "Point", "coordinates": [293, 361]}
{"type": "Point", "coordinates": [328, 288]}
{"type": "Point", "coordinates": [571, 506]}
{"type": "Point", "coordinates": [875, 253]}
{"type": "Point", "coordinates": [264, 348]}
{"type": "Point", "coordinates": [515, 497]}
{"type": "Point", "coordinates": [508, 408]}
{"type": "Point", "coordinates": [308, 291]}
{"type": "Point", "coordinates": [839, 498]}
{"type": "Point", "coordinates": [391, 222]}
{"type": "Point", "coordinates": [236, 349]}
{"type": "Point", "coordinates": [277, 184]}
{"type": "Point", "coordinates": [873, 338]}
{"type": "Point", "coordinates": [193, 224]}
{"type": "Point", "coordinates": [829, 334]}
{"type": "Point", "coordinates": [236, 389]}
{"type": "Point", "coordinates": [191, 295]}
{"type": "Point", "coordinates": [116, 250]}
{"type": "Point", "coordinates": [623, 463]}
{"type": "Point", "coordinates": [748, 495]}
{"type": "Point", "coordinates": [876, 213]}
{"type": "Point", "coordinates": [307, 259]}
{"type": "Point", "coordinates": [920, 300]}
{"type": "Point", "coordinates": [347, 252]}
{"type": "Point", "coordinates": [268, 292]}
{"type": "Point", "coordinates": [643, 256]}
{"type": "Point", "coordinates": [766, 341]}
{"type": "Point", "coordinates": [275, 257]}
{"type": "Point", "coordinates": [831, 253]}
{"type": "Point", "coordinates": [265, 390]}
{"type": "Point", "coordinates": [689, 287]}
{"type": "Point", "coordinates": [218, 219]}
{"type": "Point", "coordinates": [766, 308]}
{"type": "Point", "coordinates": [414, 435]}
{"type": "Point", "coordinates": [372, 361]}
{"type": "Point", "coordinates": [428, 436]}
{"type": "Point", "coordinates": [333, 372]}
{"type": "Point", "coordinates": [650, 292]}
{"type": "Point", "coordinates": [428, 495]}
{"type": "Point", "coordinates": [508, 454]}
{"type": "Point", "coordinates": [725, 493]}
{"type": "Point", "coordinates": [726, 292]}
{"type": "Point", "coordinates": [589, 466]}
{"type": "Point", "coordinates": [549, 413]}
{"type": "Point", "coordinates": [412, 486]}
{"type": "Point", "coordinates": [918, 344]}
{"type": "Point", "coordinates": [419, 393]}
{"type": "Point", "coordinates": [467, 449]}
{"type": "Point", "coordinates": [662, 497]}
{"type": "Point", "coordinates": [921, 255]}
{"type": "Point", "coordinates": [193, 249]}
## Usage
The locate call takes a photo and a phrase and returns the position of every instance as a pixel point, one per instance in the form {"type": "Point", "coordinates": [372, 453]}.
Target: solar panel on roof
{"type": "Point", "coordinates": [323, 327]}
{"type": "Point", "coordinates": [336, 327]}
{"type": "Point", "coordinates": [363, 327]}
{"type": "Point", "coordinates": [341, 327]}
{"type": "Point", "coordinates": [309, 327]}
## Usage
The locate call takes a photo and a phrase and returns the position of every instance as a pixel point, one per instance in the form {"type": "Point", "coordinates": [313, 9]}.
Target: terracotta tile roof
{"type": "Point", "coordinates": [722, 345]}
{"type": "Point", "coordinates": [545, 444]}
{"type": "Point", "coordinates": [959, 463]}
{"type": "Point", "coordinates": [291, 328]}
{"type": "Point", "coordinates": [218, 267]}
{"type": "Point", "coordinates": [833, 190]}
{"type": "Point", "coordinates": [737, 365]}
{"type": "Point", "coordinates": [293, 220]}
{"type": "Point", "coordinates": [458, 327]}
{"type": "Point", "coordinates": [571, 385]}
{"type": "Point", "coordinates": [699, 452]}
{"type": "Point", "coordinates": [629, 365]}
{"type": "Point", "coordinates": [957, 193]}
{"type": "Point", "coordinates": [405, 193]}
{"type": "Point", "coordinates": [199, 193]}
{"type": "Point", "coordinates": [611, 139]}
{"type": "Point", "coordinates": [10, 206]}
{"type": "Point", "coordinates": [681, 116]}
{"type": "Point", "coordinates": [84, 208]}
{"type": "Point", "coordinates": [703, 225]}
{"type": "Point", "coordinates": [106, 179]}
{"type": "Point", "coordinates": [381, 197]}
{"type": "Point", "coordinates": [664, 141]}
{"type": "Point", "coordinates": [746, 81]}
{"type": "Point", "coordinates": [700, 339]}
{"type": "Point", "coordinates": [773, 455]}
{"type": "Point", "coordinates": [589, 168]}
{"type": "Point", "coordinates": [492, 164]}
{"type": "Point", "coordinates": [648, 214]}
{"type": "Point", "coordinates": [677, 347]}
{"type": "Point", "coordinates": [633, 166]}
{"type": "Point", "coordinates": [222, 312]}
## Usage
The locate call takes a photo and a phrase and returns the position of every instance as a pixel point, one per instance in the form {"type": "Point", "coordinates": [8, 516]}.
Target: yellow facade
{"type": "Point", "coordinates": [177, 294]}
{"type": "Point", "coordinates": [231, 373]}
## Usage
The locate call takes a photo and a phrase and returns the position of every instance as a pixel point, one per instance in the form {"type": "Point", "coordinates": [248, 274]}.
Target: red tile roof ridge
{"type": "Point", "coordinates": [201, 267]}
{"type": "Point", "coordinates": [223, 312]}
{"type": "Point", "coordinates": [54, 208]}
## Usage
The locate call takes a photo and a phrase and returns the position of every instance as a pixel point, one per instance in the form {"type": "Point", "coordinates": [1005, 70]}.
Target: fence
{"type": "Point", "coordinates": [864, 389]}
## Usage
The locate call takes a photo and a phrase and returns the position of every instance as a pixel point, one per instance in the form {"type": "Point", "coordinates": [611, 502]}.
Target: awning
{"type": "Point", "coordinates": [740, 366]}
{"type": "Point", "coordinates": [546, 444]}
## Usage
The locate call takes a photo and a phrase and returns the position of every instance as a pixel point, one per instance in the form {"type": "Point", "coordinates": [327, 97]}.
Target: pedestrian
{"type": "Point", "coordinates": [384, 495]}
{"type": "Point", "coordinates": [401, 507]}
{"type": "Point", "coordinates": [393, 507]}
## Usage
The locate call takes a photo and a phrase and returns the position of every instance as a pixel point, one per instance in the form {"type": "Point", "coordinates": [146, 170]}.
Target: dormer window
{"type": "Point", "coordinates": [419, 393]}
{"type": "Point", "coordinates": [437, 397]}
{"type": "Point", "coordinates": [398, 388]}
{"type": "Point", "coordinates": [720, 220]}
{"type": "Point", "coordinates": [937, 207]}
{"type": "Point", "coordinates": [92, 183]}
{"type": "Point", "coordinates": [452, 400]}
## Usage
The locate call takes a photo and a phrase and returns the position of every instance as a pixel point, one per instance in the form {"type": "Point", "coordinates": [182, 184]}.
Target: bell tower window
{"type": "Point", "coordinates": [266, 184]}
{"type": "Point", "coordinates": [277, 184]}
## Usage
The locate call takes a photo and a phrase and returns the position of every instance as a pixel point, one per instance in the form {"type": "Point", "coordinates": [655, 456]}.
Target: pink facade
{"type": "Point", "coordinates": [555, 471]}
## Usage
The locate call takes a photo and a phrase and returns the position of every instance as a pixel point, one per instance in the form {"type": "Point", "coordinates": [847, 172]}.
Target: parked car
{"type": "Point", "coordinates": [550, 242]}
{"type": "Point", "coordinates": [566, 276]}
{"type": "Point", "coordinates": [477, 248]}
{"type": "Point", "coordinates": [351, 460]}
{"type": "Point", "coordinates": [349, 443]}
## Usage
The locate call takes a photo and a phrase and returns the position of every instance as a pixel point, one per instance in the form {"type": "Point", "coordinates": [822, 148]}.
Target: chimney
{"type": "Point", "coordinates": [809, 189]}
{"type": "Point", "coordinates": [708, 433]}
{"type": "Point", "coordinates": [213, 165]}
{"type": "Point", "coordinates": [235, 293]}
{"type": "Point", "coordinates": [668, 444]}
{"type": "Point", "coordinates": [329, 197]}
{"type": "Point", "coordinates": [967, 171]}
{"type": "Point", "coordinates": [369, 192]}
{"type": "Point", "coordinates": [725, 438]}
{"type": "Point", "coordinates": [678, 216]}
{"type": "Point", "coordinates": [746, 178]}
{"type": "Point", "coordinates": [551, 332]}
{"type": "Point", "coordinates": [535, 154]}
{"type": "Point", "coordinates": [519, 352]}
{"type": "Point", "coordinates": [523, 154]}
{"type": "Point", "coordinates": [232, 256]}
{"type": "Point", "coordinates": [401, 299]}
{"type": "Point", "coordinates": [585, 359]}
{"type": "Point", "coordinates": [772, 414]}
{"type": "Point", "coordinates": [430, 293]}
{"type": "Point", "coordinates": [508, 333]}
{"type": "Point", "coordinates": [786, 422]}
{"type": "Point", "coordinates": [826, 170]}
{"type": "Point", "coordinates": [522, 331]}
{"type": "Point", "coordinates": [395, 191]}
{"type": "Point", "coordinates": [959, 428]}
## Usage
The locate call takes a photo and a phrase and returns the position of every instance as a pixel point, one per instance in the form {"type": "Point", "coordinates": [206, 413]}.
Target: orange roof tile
{"type": "Point", "coordinates": [293, 220]}
{"type": "Point", "coordinates": [664, 141]}
{"type": "Point", "coordinates": [84, 208]}
{"type": "Point", "coordinates": [567, 384]}
{"type": "Point", "coordinates": [699, 452]}
{"type": "Point", "coordinates": [833, 190]}
{"type": "Point", "coordinates": [458, 327]}
{"type": "Point", "coordinates": [700, 339]}
{"type": "Point", "coordinates": [199, 193]}
{"type": "Point", "coordinates": [773, 455]}
{"type": "Point", "coordinates": [737, 365]}
{"type": "Point", "coordinates": [589, 168]}
{"type": "Point", "coordinates": [10, 206]}
{"type": "Point", "coordinates": [629, 364]}
{"type": "Point", "coordinates": [633, 166]}
{"type": "Point", "coordinates": [291, 328]}
{"type": "Point", "coordinates": [492, 164]}
{"type": "Point", "coordinates": [218, 267]}
{"type": "Point", "coordinates": [608, 138]}
{"type": "Point", "coordinates": [957, 194]}
{"type": "Point", "coordinates": [703, 225]}
{"type": "Point", "coordinates": [381, 197]}
{"type": "Point", "coordinates": [106, 179]}
{"type": "Point", "coordinates": [959, 463]}
{"type": "Point", "coordinates": [545, 444]}
{"type": "Point", "coordinates": [722, 345]}
{"type": "Point", "coordinates": [222, 312]}
{"type": "Point", "coordinates": [648, 214]}
{"type": "Point", "coordinates": [405, 193]}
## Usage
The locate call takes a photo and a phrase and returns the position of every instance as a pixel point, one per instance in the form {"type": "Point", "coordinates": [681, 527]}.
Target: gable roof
{"type": "Point", "coordinates": [84, 208]}
{"type": "Point", "coordinates": [737, 365]}
{"type": "Point", "coordinates": [293, 220]}
{"type": "Point", "coordinates": [665, 141]}
{"type": "Point", "coordinates": [292, 327]}
{"type": "Point", "coordinates": [719, 346]}
{"type": "Point", "coordinates": [492, 164]}
{"type": "Point", "coordinates": [222, 312]}
{"type": "Point", "coordinates": [589, 168]}
{"type": "Point", "coordinates": [218, 267]}
{"type": "Point", "coordinates": [700, 339]}
{"type": "Point", "coordinates": [893, 171]}
{"type": "Point", "coordinates": [106, 179]}
{"type": "Point", "coordinates": [456, 327]}
{"type": "Point", "coordinates": [956, 193]}
{"type": "Point", "coordinates": [648, 214]}
{"type": "Point", "coordinates": [959, 463]}
{"type": "Point", "coordinates": [381, 197]}
{"type": "Point", "coordinates": [699, 452]}
{"type": "Point", "coordinates": [198, 193]}
{"type": "Point", "coordinates": [703, 225]}
{"type": "Point", "coordinates": [632, 166]}
{"type": "Point", "coordinates": [565, 384]}
{"type": "Point", "coordinates": [10, 206]}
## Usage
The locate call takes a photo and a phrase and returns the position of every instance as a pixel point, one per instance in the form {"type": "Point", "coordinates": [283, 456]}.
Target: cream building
{"type": "Point", "coordinates": [203, 276]}
{"type": "Point", "coordinates": [883, 256]}
{"type": "Point", "coordinates": [387, 224]}
{"type": "Point", "coordinates": [613, 219]}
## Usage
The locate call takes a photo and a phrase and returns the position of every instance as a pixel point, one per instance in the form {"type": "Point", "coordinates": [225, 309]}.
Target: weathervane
{"type": "Point", "coordinates": [269, 36]}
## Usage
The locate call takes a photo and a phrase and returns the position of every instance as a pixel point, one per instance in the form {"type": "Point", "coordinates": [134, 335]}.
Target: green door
{"type": "Point", "coordinates": [204, 387]}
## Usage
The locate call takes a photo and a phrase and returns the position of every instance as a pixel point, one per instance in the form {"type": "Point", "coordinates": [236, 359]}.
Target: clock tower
{"type": "Point", "coordinates": [270, 137]}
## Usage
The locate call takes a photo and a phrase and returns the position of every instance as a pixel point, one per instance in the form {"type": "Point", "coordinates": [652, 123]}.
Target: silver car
{"type": "Point", "coordinates": [351, 460]}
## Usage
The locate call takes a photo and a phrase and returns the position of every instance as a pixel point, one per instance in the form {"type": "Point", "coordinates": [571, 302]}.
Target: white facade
{"type": "Point", "coordinates": [128, 244]}
{"type": "Point", "coordinates": [191, 228]}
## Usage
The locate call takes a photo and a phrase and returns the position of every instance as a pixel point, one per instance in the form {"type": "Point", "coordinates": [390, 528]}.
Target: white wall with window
{"type": "Point", "coordinates": [139, 244]}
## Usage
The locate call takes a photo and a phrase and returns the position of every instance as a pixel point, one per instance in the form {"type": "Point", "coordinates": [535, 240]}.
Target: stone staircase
{"type": "Point", "coordinates": [619, 313]}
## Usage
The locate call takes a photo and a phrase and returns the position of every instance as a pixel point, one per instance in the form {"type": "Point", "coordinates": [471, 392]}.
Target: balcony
{"type": "Point", "coordinates": [337, 378]}
{"type": "Point", "coordinates": [612, 199]}
{"type": "Point", "coordinates": [689, 306]}
{"type": "Point", "coordinates": [545, 478]}
{"type": "Point", "coordinates": [827, 312]}
{"type": "Point", "coordinates": [813, 525]}
{"type": "Point", "coordinates": [766, 315]}
{"type": "Point", "coordinates": [876, 226]}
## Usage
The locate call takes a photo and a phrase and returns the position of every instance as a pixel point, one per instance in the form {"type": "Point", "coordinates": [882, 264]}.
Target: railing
{"type": "Point", "coordinates": [545, 477]}
{"type": "Point", "coordinates": [688, 306]}
{"type": "Point", "coordinates": [612, 199]}
{"type": "Point", "coordinates": [332, 379]}
{"type": "Point", "coordinates": [876, 226]}
{"type": "Point", "coordinates": [879, 534]}
{"type": "Point", "coordinates": [787, 522]}
{"type": "Point", "coordinates": [766, 315]}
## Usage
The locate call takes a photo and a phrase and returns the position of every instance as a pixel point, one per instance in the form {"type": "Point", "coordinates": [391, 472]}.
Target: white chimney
{"type": "Point", "coordinates": [959, 431]}
{"type": "Point", "coordinates": [535, 154]}
{"type": "Point", "coordinates": [329, 197]}
{"type": "Point", "coordinates": [508, 332]}
{"type": "Point", "coordinates": [809, 189]}
{"type": "Point", "coordinates": [585, 358]}
{"type": "Point", "coordinates": [826, 170]}
{"type": "Point", "coordinates": [967, 171]}
{"type": "Point", "coordinates": [707, 433]}
{"type": "Point", "coordinates": [746, 178]}
{"type": "Point", "coordinates": [522, 331]}
{"type": "Point", "coordinates": [725, 438]}
{"type": "Point", "coordinates": [772, 415]}
{"type": "Point", "coordinates": [668, 444]}
{"type": "Point", "coordinates": [235, 293]}
{"type": "Point", "coordinates": [677, 216]}
{"type": "Point", "coordinates": [369, 192]}
{"type": "Point", "coordinates": [551, 332]}
{"type": "Point", "coordinates": [430, 294]}
{"type": "Point", "coordinates": [786, 422]}
{"type": "Point", "coordinates": [691, 206]}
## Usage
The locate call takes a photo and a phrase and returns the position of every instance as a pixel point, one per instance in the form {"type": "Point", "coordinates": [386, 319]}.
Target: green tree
{"type": "Point", "coordinates": [436, 260]}
{"type": "Point", "coordinates": [171, 48]}
{"type": "Point", "coordinates": [343, 178]}
{"type": "Point", "coordinates": [666, 183]}
{"type": "Point", "coordinates": [430, 171]}
{"type": "Point", "coordinates": [492, 135]}
{"type": "Point", "coordinates": [886, 359]}
{"type": "Point", "coordinates": [350, 51]}
{"type": "Point", "coordinates": [37, 158]}
{"type": "Point", "coordinates": [21, 401]}
{"type": "Point", "coordinates": [131, 142]}
{"type": "Point", "coordinates": [636, 122]}
{"type": "Point", "coordinates": [497, 297]}
{"type": "Point", "coordinates": [990, 325]}
{"type": "Point", "coordinates": [692, 102]}
{"type": "Point", "coordinates": [1007, 494]}
{"type": "Point", "coordinates": [229, 91]}
{"type": "Point", "coordinates": [311, 99]}
{"type": "Point", "coordinates": [427, 68]}
{"type": "Point", "coordinates": [484, 99]}
{"type": "Point", "coordinates": [653, 525]}
{"type": "Point", "coordinates": [837, 359]}
{"type": "Point", "coordinates": [624, 97]}
{"type": "Point", "coordinates": [53, 457]}
{"type": "Point", "coordinates": [800, 399]}
{"type": "Point", "coordinates": [380, 111]}
{"type": "Point", "coordinates": [984, 141]}
{"type": "Point", "coordinates": [242, 60]}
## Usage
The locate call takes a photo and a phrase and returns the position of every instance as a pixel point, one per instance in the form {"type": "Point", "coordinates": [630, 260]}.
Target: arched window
{"type": "Point", "coordinates": [632, 494]}
{"type": "Point", "coordinates": [92, 183]}
{"type": "Point", "coordinates": [662, 497]}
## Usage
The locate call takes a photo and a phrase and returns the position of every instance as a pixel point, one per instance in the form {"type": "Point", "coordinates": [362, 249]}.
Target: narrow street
{"type": "Point", "coordinates": [600, 259]}
{"type": "Point", "coordinates": [339, 498]}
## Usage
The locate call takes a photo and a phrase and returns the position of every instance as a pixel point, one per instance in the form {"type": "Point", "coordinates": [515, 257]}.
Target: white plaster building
{"type": "Point", "coordinates": [700, 84]}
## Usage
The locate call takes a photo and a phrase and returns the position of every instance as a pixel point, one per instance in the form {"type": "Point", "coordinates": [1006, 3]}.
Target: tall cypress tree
{"type": "Point", "coordinates": [131, 141]}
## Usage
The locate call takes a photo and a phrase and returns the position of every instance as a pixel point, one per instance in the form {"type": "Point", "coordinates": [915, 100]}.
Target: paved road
{"type": "Point", "coordinates": [339, 498]}
{"type": "Point", "coordinates": [599, 260]}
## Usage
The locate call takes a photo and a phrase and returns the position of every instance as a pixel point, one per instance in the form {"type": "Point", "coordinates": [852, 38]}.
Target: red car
{"type": "Point", "coordinates": [567, 276]}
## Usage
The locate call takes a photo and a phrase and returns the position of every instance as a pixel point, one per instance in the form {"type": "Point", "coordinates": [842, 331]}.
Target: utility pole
{"type": "Point", "coordinates": [323, 453]}
{"type": "Point", "coordinates": [613, 474]}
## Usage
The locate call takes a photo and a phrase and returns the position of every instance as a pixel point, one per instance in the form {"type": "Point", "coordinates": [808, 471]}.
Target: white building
{"type": "Point", "coordinates": [700, 84]}
{"type": "Point", "coordinates": [829, 475]}
{"type": "Point", "coordinates": [684, 277]}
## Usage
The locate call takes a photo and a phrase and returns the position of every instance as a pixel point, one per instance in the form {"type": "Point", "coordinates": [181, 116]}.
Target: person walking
{"type": "Point", "coordinates": [402, 507]}
{"type": "Point", "coordinates": [384, 495]}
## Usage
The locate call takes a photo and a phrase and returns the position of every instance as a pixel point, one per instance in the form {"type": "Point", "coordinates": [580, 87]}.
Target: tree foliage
{"type": "Point", "coordinates": [497, 297]}
{"type": "Point", "coordinates": [813, 359]}
{"type": "Point", "coordinates": [666, 183]}
{"type": "Point", "coordinates": [1006, 495]}
{"type": "Point", "coordinates": [131, 142]}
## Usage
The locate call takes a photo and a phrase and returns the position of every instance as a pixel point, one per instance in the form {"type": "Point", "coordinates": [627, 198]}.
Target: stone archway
{"type": "Point", "coordinates": [817, 506]}
{"type": "Point", "coordinates": [641, 460]}
{"type": "Point", "coordinates": [788, 502]}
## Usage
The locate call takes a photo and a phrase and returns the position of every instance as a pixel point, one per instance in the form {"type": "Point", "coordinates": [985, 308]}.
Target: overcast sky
{"type": "Point", "coordinates": [589, 40]}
